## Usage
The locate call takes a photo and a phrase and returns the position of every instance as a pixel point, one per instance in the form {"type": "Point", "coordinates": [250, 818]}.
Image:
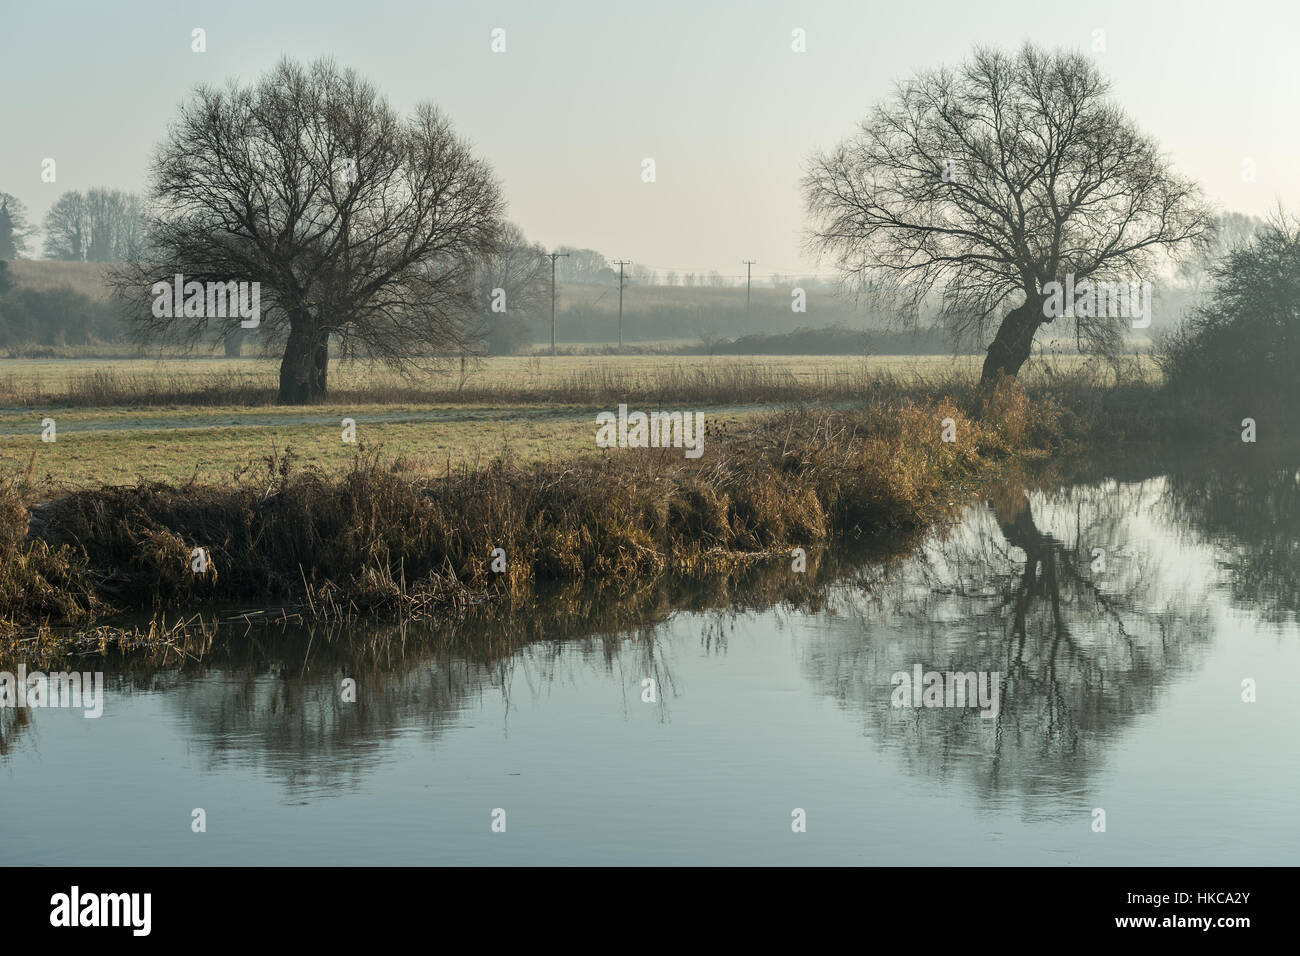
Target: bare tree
{"type": "Point", "coordinates": [357, 223]}
{"type": "Point", "coordinates": [1231, 231]}
{"type": "Point", "coordinates": [580, 265]}
{"type": "Point", "coordinates": [986, 183]}
{"type": "Point", "coordinates": [100, 225]}
{"type": "Point", "coordinates": [513, 284]}
{"type": "Point", "coordinates": [14, 227]}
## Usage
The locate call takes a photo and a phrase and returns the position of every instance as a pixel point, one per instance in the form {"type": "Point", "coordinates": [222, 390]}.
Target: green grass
{"type": "Point", "coordinates": [107, 446]}
{"type": "Point", "coordinates": [128, 421]}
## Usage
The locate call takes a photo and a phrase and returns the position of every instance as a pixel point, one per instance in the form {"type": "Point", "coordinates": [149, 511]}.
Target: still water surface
{"type": "Point", "coordinates": [1120, 686]}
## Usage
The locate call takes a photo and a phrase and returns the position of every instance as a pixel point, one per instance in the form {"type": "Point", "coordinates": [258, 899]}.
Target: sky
{"type": "Point", "coordinates": [585, 91]}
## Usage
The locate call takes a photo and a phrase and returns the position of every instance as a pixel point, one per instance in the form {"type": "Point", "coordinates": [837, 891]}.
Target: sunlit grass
{"type": "Point", "coordinates": [251, 382]}
{"type": "Point", "coordinates": [123, 446]}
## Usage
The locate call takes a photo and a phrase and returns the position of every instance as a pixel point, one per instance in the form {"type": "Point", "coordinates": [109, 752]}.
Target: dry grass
{"type": "Point", "coordinates": [562, 379]}
{"type": "Point", "coordinates": [369, 539]}
{"type": "Point", "coordinates": [38, 581]}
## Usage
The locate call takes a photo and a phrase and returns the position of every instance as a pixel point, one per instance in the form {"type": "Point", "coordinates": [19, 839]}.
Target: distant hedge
{"type": "Point", "coordinates": [56, 317]}
{"type": "Point", "coordinates": [838, 340]}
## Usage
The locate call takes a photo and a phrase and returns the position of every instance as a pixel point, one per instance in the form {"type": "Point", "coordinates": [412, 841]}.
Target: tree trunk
{"type": "Point", "coordinates": [1015, 340]}
{"type": "Point", "coordinates": [234, 343]}
{"type": "Point", "coordinates": [305, 366]}
{"type": "Point", "coordinates": [321, 365]}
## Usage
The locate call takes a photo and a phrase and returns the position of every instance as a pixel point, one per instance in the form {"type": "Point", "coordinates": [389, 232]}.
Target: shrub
{"type": "Point", "coordinates": [1245, 342]}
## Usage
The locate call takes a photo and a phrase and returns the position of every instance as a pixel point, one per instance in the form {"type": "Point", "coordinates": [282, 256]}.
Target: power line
{"type": "Point", "coordinates": [620, 263]}
{"type": "Point", "coordinates": [553, 256]}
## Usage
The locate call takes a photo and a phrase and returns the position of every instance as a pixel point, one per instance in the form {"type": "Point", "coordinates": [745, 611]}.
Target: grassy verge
{"type": "Point", "coordinates": [368, 539]}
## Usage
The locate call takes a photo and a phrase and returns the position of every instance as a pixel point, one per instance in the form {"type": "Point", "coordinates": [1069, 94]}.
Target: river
{"type": "Point", "coordinates": [1137, 621]}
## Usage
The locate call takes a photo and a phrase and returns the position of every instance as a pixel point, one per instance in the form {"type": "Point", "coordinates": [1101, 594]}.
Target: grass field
{"type": "Point", "coordinates": [119, 422]}
{"type": "Point", "coordinates": [210, 445]}
{"type": "Point", "coordinates": [253, 381]}
{"type": "Point", "coordinates": [26, 382]}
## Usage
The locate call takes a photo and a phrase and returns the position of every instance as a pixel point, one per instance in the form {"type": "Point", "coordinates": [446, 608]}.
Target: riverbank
{"type": "Point", "coordinates": [367, 539]}
{"type": "Point", "coordinates": [372, 538]}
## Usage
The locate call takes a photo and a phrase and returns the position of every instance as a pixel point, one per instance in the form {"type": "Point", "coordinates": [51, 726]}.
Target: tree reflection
{"type": "Point", "coordinates": [1080, 647]}
{"type": "Point", "coordinates": [1249, 510]}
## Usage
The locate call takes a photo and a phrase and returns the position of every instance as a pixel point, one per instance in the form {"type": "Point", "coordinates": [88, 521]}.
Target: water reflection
{"type": "Point", "coordinates": [1072, 597]}
{"type": "Point", "coordinates": [1089, 596]}
{"type": "Point", "coordinates": [1250, 511]}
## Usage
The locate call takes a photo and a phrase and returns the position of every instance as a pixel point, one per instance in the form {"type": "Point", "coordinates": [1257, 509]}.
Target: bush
{"type": "Point", "coordinates": [56, 317]}
{"type": "Point", "coordinates": [1245, 343]}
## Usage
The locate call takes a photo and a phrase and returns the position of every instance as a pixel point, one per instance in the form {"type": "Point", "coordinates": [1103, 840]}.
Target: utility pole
{"type": "Point", "coordinates": [748, 264]}
{"type": "Point", "coordinates": [553, 256]}
{"type": "Point", "coordinates": [621, 263]}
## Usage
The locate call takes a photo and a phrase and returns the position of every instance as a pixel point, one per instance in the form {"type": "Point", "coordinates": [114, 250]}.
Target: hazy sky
{"type": "Point", "coordinates": [586, 90]}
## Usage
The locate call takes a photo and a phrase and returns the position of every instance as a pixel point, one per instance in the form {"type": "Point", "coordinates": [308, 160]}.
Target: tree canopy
{"type": "Point", "coordinates": [984, 184]}
{"type": "Point", "coordinates": [358, 224]}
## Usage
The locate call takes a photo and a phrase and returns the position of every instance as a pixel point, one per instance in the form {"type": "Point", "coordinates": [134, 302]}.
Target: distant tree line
{"type": "Point", "coordinates": [837, 340]}
{"type": "Point", "coordinates": [99, 225]}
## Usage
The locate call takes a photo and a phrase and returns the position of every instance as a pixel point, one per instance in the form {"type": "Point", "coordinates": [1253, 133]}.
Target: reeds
{"type": "Point", "coordinates": [369, 539]}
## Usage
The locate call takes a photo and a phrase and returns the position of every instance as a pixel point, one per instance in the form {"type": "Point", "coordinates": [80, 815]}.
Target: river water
{"type": "Point", "coordinates": [1126, 616]}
